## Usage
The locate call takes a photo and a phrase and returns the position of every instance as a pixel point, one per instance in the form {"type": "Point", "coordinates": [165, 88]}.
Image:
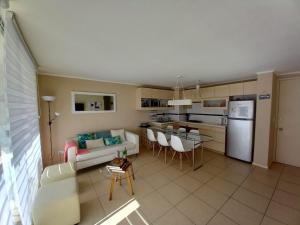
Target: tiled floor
{"type": "Point", "coordinates": [222, 192]}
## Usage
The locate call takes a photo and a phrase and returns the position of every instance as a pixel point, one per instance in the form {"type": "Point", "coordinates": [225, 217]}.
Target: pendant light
{"type": "Point", "coordinates": [178, 88]}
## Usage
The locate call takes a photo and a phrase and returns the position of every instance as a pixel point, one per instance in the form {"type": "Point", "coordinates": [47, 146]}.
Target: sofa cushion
{"type": "Point", "coordinates": [112, 141]}
{"type": "Point", "coordinates": [58, 172]}
{"type": "Point", "coordinates": [95, 143]}
{"type": "Point", "coordinates": [102, 134]}
{"type": "Point", "coordinates": [120, 132]}
{"type": "Point", "coordinates": [81, 138]}
{"type": "Point", "coordinates": [106, 150]}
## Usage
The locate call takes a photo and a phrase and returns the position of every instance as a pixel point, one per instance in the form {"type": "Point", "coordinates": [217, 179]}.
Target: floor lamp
{"type": "Point", "coordinates": [50, 99]}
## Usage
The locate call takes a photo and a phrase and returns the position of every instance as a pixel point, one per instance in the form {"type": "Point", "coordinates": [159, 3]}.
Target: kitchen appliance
{"type": "Point", "coordinates": [240, 130]}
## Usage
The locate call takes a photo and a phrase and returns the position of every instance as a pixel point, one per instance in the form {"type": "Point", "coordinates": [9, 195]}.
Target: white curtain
{"type": "Point", "coordinates": [20, 137]}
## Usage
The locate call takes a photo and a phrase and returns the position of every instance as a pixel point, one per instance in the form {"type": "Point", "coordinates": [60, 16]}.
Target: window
{"type": "Point", "coordinates": [20, 137]}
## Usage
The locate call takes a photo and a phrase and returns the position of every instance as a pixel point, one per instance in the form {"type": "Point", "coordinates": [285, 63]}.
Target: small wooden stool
{"type": "Point", "coordinates": [117, 174]}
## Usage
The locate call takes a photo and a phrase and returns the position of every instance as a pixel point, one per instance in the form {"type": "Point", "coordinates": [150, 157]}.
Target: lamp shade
{"type": "Point", "coordinates": [48, 98]}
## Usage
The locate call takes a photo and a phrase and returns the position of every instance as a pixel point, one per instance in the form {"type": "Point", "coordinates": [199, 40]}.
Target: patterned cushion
{"type": "Point", "coordinates": [112, 140]}
{"type": "Point", "coordinates": [102, 134]}
{"type": "Point", "coordinates": [81, 138]}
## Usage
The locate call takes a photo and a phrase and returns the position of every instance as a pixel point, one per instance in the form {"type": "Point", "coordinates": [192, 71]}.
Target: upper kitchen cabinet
{"type": "Point", "coordinates": [249, 87]}
{"type": "Point", "coordinates": [236, 89]}
{"type": "Point", "coordinates": [192, 94]}
{"type": "Point", "coordinates": [207, 92]}
{"type": "Point", "coordinates": [221, 91]}
{"type": "Point", "coordinates": [153, 99]}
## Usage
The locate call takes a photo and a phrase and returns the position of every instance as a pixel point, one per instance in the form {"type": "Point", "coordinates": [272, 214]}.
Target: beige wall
{"type": "Point", "coordinates": [68, 124]}
{"type": "Point", "coordinates": [265, 122]}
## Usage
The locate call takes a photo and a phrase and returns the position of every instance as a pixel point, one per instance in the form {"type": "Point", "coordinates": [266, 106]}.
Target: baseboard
{"type": "Point", "coordinates": [259, 165]}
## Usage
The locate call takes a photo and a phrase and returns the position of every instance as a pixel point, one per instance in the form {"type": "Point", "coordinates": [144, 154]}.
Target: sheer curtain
{"type": "Point", "coordinates": [20, 142]}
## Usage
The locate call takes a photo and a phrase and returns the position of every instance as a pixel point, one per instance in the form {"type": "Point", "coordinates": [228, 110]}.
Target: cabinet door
{"type": "Point", "coordinates": [146, 92]}
{"type": "Point", "coordinates": [249, 87]}
{"type": "Point", "coordinates": [222, 91]}
{"type": "Point", "coordinates": [189, 94]}
{"type": "Point", "coordinates": [207, 92]}
{"type": "Point", "coordinates": [236, 89]}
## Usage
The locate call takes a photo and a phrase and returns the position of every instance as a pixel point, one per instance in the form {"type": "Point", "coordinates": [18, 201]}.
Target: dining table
{"type": "Point", "coordinates": [197, 140]}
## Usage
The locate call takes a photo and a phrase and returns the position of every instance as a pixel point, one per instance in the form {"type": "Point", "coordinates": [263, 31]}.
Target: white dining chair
{"type": "Point", "coordinates": [181, 130]}
{"type": "Point", "coordinates": [194, 135]}
{"type": "Point", "coordinates": [151, 139]}
{"type": "Point", "coordinates": [163, 144]}
{"type": "Point", "coordinates": [180, 147]}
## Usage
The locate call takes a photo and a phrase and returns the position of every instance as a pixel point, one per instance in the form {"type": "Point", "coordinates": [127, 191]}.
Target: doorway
{"type": "Point", "coordinates": [288, 138]}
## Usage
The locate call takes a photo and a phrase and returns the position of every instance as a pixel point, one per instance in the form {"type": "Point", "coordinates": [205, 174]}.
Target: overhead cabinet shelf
{"type": "Point", "coordinates": [212, 97]}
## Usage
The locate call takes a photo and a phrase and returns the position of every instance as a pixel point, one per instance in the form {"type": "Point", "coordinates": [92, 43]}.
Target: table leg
{"type": "Point", "coordinates": [120, 179]}
{"type": "Point", "coordinates": [132, 172]}
{"type": "Point", "coordinates": [165, 155]}
{"type": "Point", "coordinates": [129, 182]}
{"type": "Point", "coordinates": [113, 177]}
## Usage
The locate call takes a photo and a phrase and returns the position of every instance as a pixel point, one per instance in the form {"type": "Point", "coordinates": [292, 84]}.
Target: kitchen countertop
{"type": "Point", "coordinates": [154, 123]}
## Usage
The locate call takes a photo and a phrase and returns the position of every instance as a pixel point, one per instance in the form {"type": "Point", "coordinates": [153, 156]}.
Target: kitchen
{"type": "Point", "coordinates": [209, 113]}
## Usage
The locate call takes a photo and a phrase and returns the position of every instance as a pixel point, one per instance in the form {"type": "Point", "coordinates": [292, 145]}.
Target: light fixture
{"type": "Point", "coordinates": [198, 86]}
{"type": "Point", "coordinates": [50, 99]}
{"type": "Point", "coordinates": [178, 88]}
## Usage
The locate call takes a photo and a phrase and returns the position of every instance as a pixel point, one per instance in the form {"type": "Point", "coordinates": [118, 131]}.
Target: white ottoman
{"type": "Point", "coordinates": [57, 203]}
{"type": "Point", "coordinates": [58, 172]}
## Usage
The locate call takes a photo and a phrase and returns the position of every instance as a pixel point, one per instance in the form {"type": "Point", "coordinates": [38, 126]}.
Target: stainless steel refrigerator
{"type": "Point", "coordinates": [240, 127]}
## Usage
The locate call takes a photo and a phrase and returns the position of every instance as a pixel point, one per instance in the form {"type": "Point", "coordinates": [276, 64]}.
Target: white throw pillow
{"type": "Point", "coordinates": [120, 132]}
{"type": "Point", "coordinates": [94, 143]}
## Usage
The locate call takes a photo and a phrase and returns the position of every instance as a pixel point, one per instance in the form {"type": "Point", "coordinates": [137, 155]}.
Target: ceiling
{"type": "Point", "coordinates": [150, 42]}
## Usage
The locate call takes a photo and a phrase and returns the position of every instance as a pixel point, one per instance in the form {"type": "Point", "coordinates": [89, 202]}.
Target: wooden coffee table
{"type": "Point", "coordinates": [120, 169]}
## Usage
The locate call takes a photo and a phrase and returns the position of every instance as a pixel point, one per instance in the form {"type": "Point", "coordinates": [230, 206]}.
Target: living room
{"type": "Point", "coordinates": [149, 112]}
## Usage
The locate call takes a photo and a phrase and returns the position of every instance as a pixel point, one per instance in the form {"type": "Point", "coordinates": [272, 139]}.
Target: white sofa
{"type": "Point", "coordinates": [57, 200]}
{"type": "Point", "coordinates": [103, 154]}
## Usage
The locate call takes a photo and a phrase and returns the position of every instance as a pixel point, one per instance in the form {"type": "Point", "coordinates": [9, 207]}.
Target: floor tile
{"type": "Point", "coordinates": [91, 212]}
{"type": "Point", "coordinates": [270, 221]}
{"type": "Point", "coordinates": [97, 174]}
{"type": "Point", "coordinates": [287, 199]}
{"type": "Point", "coordinates": [257, 187]}
{"type": "Point", "coordinates": [173, 217]}
{"type": "Point", "coordinates": [254, 201]}
{"type": "Point", "coordinates": [289, 187]}
{"type": "Point", "coordinates": [200, 175]}
{"type": "Point", "coordinates": [154, 206]}
{"type": "Point", "coordinates": [214, 198]}
{"type": "Point", "coordinates": [220, 219]}
{"type": "Point", "coordinates": [172, 173]}
{"type": "Point", "coordinates": [233, 177]}
{"type": "Point", "coordinates": [196, 210]}
{"type": "Point", "coordinates": [241, 214]}
{"type": "Point", "coordinates": [290, 178]}
{"type": "Point", "coordinates": [240, 167]}
{"type": "Point", "coordinates": [292, 170]}
{"type": "Point", "coordinates": [173, 192]}
{"type": "Point", "coordinates": [157, 180]}
{"type": "Point", "coordinates": [211, 169]}
{"type": "Point", "coordinates": [188, 183]}
{"type": "Point", "coordinates": [222, 186]}
{"type": "Point", "coordinates": [119, 198]}
{"type": "Point", "coordinates": [264, 179]}
{"type": "Point", "coordinates": [283, 213]}
{"type": "Point", "coordinates": [86, 192]}
{"type": "Point", "coordinates": [102, 187]}
{"type": "Point", "coordinates": [140, 187]}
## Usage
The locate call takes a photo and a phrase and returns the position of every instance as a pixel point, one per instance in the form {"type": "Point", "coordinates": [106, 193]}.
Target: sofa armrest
{"type": "Point", "coordinates": [72, 154]}
{"type": "Point", "coordinates": [131, 137]}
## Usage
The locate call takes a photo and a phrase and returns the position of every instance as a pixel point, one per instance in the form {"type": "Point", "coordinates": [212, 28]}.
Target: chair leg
{"type": "Point", "coordinates": [165, 155]}
{"type": "Point", "coordinates": [180, 156]}
{"type": "Point", "coordinates": [160, 148]}
{"type": "Point", "coordinates": [113, 177]}
{"type": "Point", "coordinates": [173, 156]}
{"type": "Point", "coordinates": [153, 146]}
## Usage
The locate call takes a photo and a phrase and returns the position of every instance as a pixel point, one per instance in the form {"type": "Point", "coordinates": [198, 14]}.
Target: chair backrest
{"type": "Point", "coordinates": [181, 130]}
{"type": "Point", "coordinates": [150, 135]}
{"type": "Point", "coordinates": [176, 143]}
{"type": "Point", "coordinates": [161, 138]}
{"type": "Point", "coordinates": [194, 131]}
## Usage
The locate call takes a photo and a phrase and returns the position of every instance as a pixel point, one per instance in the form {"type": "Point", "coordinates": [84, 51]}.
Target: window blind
{"type": "Point", "coordinates": [24, 164]}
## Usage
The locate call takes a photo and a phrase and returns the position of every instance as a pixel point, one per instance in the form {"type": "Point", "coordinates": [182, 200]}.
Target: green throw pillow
{"type": "Point", "coordinates": [112, 140]}
{"type": "Point", "coordinates": [81, 138]}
